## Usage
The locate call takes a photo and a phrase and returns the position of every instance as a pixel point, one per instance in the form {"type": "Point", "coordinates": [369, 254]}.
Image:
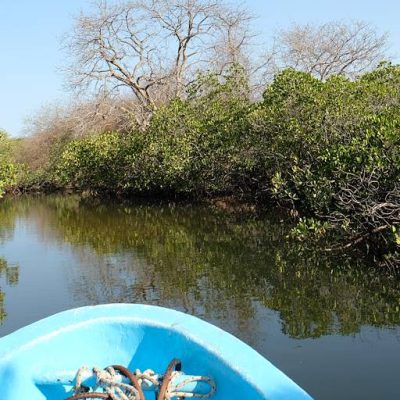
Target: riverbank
{"type": "Point", "coordinates": [328, 152]}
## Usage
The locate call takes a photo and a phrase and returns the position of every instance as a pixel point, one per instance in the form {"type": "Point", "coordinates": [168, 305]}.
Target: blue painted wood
{"type": "Point", "coordinates": [137, 336]}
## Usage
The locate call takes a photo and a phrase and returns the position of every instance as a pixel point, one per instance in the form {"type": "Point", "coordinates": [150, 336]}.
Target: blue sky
{"type": "Point", "coordinates": [31, 30]}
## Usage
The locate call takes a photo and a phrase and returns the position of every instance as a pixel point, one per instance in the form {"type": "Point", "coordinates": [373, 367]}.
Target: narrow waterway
{"type": "Point", "coordinates": [331, 325]}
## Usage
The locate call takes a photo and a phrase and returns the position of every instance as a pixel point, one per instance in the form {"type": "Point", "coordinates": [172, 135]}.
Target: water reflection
{"type": "Point", "coordinates": [7, 219]}
{"type": "Point", "coordinates": [236, 270]}
{"type": "Point", "coordinates": [215, 264]}
{"type": "Point", "coordinates": [11, 274]}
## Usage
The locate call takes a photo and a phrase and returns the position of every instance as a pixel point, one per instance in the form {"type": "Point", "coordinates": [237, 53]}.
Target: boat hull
{"type": "Point", "coordinates": [136, 336]}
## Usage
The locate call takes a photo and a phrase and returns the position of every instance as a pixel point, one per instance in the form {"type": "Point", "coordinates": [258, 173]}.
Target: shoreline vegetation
{"type": "Point", "coordinates": [321, 139]}
{"type": "Point", "coordinates": [328, 152]}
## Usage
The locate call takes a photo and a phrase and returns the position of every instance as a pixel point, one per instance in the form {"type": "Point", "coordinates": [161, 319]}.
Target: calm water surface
{"type": "Point", "coordinates": [331, 326]}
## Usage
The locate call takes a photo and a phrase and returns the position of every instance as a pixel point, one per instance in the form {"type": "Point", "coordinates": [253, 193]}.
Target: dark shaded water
{"type": "Point", "coordinates": [331, 326]}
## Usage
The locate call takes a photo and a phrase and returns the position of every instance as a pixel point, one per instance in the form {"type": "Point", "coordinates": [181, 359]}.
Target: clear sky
{"type": "Point", "coordinates": [31, 30]}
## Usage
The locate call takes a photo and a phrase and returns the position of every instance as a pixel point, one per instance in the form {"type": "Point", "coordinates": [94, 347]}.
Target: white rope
{"type": "Point", "coordinates": [147, 376]}
{"type": "Point", "coordinates": [176, 393]}
{"type": "Point", "coordinates": [106, 379]}
{"type": "Point", "coordinates": [83, 371]}
{"type": "Point", "coordinates": [111, 383]}
{"type": "Point", "coordinates": [173, 390]}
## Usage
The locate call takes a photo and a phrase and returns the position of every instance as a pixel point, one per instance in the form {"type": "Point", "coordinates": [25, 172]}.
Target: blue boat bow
{"type": "Point", "coordinates": [39, 361]}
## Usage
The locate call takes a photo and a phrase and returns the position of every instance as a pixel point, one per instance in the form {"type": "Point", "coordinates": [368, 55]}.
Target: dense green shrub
{"type": "Point", "coordinates": [333, 151]}
{"type": "Point", "coordinates": [191, 146]}
{"type": "Point", "coordinates": [198, 145]}
{"type": "Point", "coordinates": [96, 163]}
{"type": "Point", "coordinates": [7, 168]}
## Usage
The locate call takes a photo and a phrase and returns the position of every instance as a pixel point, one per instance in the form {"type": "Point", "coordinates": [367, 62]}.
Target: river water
{"type": "Point", "coordinates": [333, 326]}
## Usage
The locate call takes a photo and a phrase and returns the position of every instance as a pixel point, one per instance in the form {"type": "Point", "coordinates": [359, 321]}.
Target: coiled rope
{"type": "Point", "coordinates": [113, 389]}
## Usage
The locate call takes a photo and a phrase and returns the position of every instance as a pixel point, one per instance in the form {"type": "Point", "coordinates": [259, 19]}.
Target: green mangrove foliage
{"type": "Point", "coordinates": [199, 146]}
{"type": "Point", "coordinates": [329, 150]}
{"type": "Point", "coordinates": [333, 151]}
{"type": "Point", "coordinates": [193, 146]}
{"type": "Point", "coordinates": [7, 168]}
{"type": "Point", "coordinates": [98, 162]}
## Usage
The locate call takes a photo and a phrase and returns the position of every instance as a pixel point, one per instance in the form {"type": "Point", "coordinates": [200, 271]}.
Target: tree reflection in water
{"type": "Point", "coordinates": [11, 275]}
{"type": "Point", "coordinates": [212, 263]}
{"type": "Point", "coordinates": [218, 264]}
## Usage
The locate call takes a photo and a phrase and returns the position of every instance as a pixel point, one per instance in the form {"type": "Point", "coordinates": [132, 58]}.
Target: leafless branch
{"type": "Point", "coordinates": [331, 48]}
{"type": "Point", "coordinates": [153, 48]}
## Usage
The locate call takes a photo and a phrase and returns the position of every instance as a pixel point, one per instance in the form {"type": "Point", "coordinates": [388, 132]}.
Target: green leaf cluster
{"type": "Point", "coordinates": [8, 169]}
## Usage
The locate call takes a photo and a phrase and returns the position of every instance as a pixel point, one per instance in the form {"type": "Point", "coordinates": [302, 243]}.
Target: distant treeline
{"type": "Point", "coordinates": [327, 150]}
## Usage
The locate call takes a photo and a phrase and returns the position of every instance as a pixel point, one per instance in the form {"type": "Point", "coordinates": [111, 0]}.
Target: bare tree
{"type": "Point", "coordinates": [331, 48]}
{"type": "Point", "coordinates": [234, 40]}
{"type": "Point", "coordinates": [151, 47]}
